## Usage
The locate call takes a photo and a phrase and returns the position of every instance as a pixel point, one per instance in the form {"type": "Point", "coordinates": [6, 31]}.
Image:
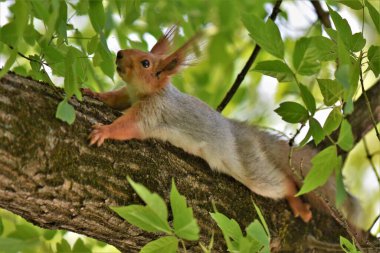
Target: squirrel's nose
{"type": "Point", "coordinates": [119, 55]}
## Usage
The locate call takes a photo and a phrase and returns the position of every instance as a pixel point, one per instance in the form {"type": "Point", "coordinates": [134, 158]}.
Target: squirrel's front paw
{"type": "Point", "coordinates": [99, 134]}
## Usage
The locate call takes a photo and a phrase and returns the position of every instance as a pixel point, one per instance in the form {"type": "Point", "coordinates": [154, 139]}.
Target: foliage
{"type": "Point", "coordinates": [18, 235]}
{"type": "Point", "coordinates": [317, 71]}
{"type": "Point", "coordinates": [153, 217]}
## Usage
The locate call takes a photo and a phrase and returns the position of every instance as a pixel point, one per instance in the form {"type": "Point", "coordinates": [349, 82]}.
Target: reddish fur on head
{"type": "Point", "coordinates": [148, 72]}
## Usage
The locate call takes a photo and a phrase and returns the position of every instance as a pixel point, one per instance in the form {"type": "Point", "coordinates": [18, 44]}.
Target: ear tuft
{"type": "Point", "coordinates": [164, 43]}
{"type": "Point", "coordinates": [172, 63]}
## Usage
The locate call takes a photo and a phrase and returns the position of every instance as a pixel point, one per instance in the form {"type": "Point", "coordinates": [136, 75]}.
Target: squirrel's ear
{"type": "Point", "coordinates": [183, 56]}
{"type": "Point", "coordinates": [164, 43]}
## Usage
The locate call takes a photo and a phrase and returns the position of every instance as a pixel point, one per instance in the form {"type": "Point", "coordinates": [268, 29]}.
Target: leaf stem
{"type": "Point", "coordinates": [366, 98]}
{"type": "Point", "coordinates": [369, 157]}
{"type": "Point", "coordinates": [183, 245]}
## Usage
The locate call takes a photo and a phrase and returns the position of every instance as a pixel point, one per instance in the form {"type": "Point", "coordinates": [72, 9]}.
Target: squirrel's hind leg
{"type": "Point", "coordinates": [298, 207]}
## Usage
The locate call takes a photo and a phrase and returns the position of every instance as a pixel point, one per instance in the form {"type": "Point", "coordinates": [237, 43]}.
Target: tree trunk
{"type": "Point", "coordinates": [51, 176]}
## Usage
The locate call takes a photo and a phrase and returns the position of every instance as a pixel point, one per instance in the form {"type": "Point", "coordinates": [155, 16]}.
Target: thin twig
{"type": "Point", "coordinates": [366, 98]}
{"type": "Point", "coordinates": [28, 58]}
{"type": "Point", "coordinates": [239, 79]}
{"type": "Point", "coordinates": [369, 157]}
{"type": "Point", "coordinates": [323, 15]}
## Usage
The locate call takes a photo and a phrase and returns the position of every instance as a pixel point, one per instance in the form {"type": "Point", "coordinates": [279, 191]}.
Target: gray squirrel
{"type": "Point", "coordinates": [154, 108]}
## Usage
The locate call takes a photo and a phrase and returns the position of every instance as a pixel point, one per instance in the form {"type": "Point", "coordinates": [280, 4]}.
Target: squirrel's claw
{"type": "Point", "coordinates": [98, 134]}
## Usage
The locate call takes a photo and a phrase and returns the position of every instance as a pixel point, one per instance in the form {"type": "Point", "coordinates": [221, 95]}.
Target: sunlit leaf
{"type": "Point", "coordinates": [276, 69]}
{"type": "Point", "coordinates": [266, 34]}
{"type": "Point", "coordinates": [341, 194]}
{"type": "Point", "coordinates": [167, 244]}
{"type": "Point", "coordinates": [184, 223]}
{"type": "Point", "coordinates": [316, 131]}
{"type": "Point", "coordinates": [8, 64]}
{"type": "Point", "coordinates": [347, 246]}
{"type": "Point", "coordinates": [65, 112]}
{"type": "Point", "coordinates": [353, 4]}
{"type": "Point", "coordinates": [308, 98]}
{"type": "Point", "coordinates": [292, 112]}
{"type": "Point", "coordinates": [152, 200]}
{"type": "Point", "coordinates": [305, 57]}
{"type": "Point", "coordinates": [323, 164]}
{"type": "Point", "coordinates": [80, 247]}
{"type": "Point", "coordinates": [375, 16]}
{"type": "Point", "coordinates": [331, 90]}
{"type": "Point", "coordinates": [144, 217]}
{"type": "Point", "coordinates": [97, 15]}
{"type": "Point", "coordinates": [333, 121]}
{"type": "Point", "coordinates": [229, 227]}
{"type": "Point", "coordinates": [346, 139]}
{"type": "Point", "coordinates": [374, 59]}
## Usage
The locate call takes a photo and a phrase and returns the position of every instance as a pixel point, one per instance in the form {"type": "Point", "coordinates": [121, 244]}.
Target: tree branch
{"type": "Point", "coordinates": [50, 176]}
{"type": "Point", "coordinates": [240, 77]}
{"type": "Point", "coordinates": [323, 15]}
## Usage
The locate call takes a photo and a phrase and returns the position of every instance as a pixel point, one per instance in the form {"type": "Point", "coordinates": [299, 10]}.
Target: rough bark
{"type": "Point", "coordinates": [51, 176]}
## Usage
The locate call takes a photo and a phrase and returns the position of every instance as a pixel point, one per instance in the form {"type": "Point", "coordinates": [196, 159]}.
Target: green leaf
{"type": "Point", "coordinates": [333, 121]}
{"type": "Point", "coordinates": [262, 220]}
{"type": "Point", "coordinates": [267, 35]}
{"type": "Point", "coordinates": [276, 69]}
{"type": "Point", "coordinates": [374, 59]}
{"type": "Point", "coordinates": [323, 164]}
{"type": "Point", "coordinates": [65, 112]}
{"type": "Point", "coordinates": [326, 48]}
{"type": "Point", "coordinates": [16, 245]}
{"type": "Point", "coordinates": [63, 247]}
{"type": "Point", "coordinates": [316, 131]}
{"type": "Point", "coordinates": [1, 226]}
{"type": "Point", "coordinates": [167, 244]}
{"type": "Point", "coordinates": [40, 9]}
{"type": "Point", "coordinates": [308, 98]}
{"type": "Point", "coordinates": [9, 34]}
{"type": "Point", "coordinates": [25, 232]}
{"type": "Point", "coordinates": [105, 58]}
{"type": "Point", "coordinates": [143, 217]}
{"type": "Point", "coordinates": [92, 44]}
{"type": "Point", "coordinates": [185, 226]}
{"type": "Point", "coordinates": [292, 112]}
{"type": "Point", "coordinates": [49, 234]}
{"type": "Point", "coordinates": [80, 247]}
{"type": "Point", "coordinates": [357, 42]}
{"type": "Point", "coordinates": [353, 4]}
{"type": "Point", "coordinates": [305, 58]}
{"type": "Point", "coordinates": [374, 15]}
{"type": "Point", "coordinates": [256, 231]}
{"type": "Point", "coordinates": [61, 22]}
{"type": "Point", "coordinates": [331, 90]}
{"type": "Point", "coordinates": [9, 63]}
{"type": "Point", "coordinates": [346, 139]}
{"type": "Point", "coordinates": [97, 15]}
{"type": "Point", "coordinates": [152, 200]}
{"type": "Point", "coordinates": [229, 227]}
{"type": "Point", "coordinates": [21, 10]}
{"type": "Point", "coordinates": [341, 194]}
{"type": "Point", "coordinates": [305, 139]}
{"type": "Point", "coordinates": [342, 26]}
{"type": "Point", "coordinates": [347, 246]}
{"type": "Point", "coordinates": [248, 245]}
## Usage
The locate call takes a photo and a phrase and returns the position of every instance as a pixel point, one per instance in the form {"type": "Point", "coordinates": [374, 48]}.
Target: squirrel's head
{"type": "Point", "coordinates": [149, 72]}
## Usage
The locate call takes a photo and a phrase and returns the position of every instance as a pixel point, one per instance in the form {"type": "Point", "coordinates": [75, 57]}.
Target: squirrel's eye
{"type": "Point", "coordinates": [145, 63]}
